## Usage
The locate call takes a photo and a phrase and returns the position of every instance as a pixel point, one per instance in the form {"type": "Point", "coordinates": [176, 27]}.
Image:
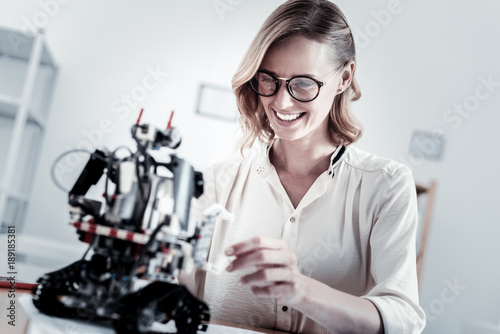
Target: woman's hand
{"type": "Point", "coordinates": [276, 276]}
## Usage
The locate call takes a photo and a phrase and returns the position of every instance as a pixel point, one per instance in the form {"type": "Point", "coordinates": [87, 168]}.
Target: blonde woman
{"type": "Point", "coordinates": [324, 237]}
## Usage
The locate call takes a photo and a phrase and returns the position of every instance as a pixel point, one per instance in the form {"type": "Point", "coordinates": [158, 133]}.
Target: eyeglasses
{"type": "Point", "coordinates": [301, 87]}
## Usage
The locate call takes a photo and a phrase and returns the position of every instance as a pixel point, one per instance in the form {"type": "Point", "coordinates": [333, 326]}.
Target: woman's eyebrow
{"type": "Point", "coordinates": [296, 75]}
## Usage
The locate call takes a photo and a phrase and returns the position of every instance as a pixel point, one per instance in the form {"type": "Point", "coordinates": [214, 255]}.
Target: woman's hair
{"type": "Point", "coordinates": [319, 20]}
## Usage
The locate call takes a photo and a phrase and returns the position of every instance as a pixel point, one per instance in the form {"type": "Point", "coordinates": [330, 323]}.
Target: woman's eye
{"type": "Point", "coordinates": [304, 84]}
{"type": "Point", "coordinates": [267, 79]}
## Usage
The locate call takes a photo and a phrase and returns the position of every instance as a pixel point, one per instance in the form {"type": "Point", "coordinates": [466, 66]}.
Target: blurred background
{"type": "Point", "coordinates": [430, 77]}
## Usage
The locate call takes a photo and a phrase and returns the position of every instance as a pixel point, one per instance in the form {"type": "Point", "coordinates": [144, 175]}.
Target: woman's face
{"type": "Point", "coordinates": [291, 119]}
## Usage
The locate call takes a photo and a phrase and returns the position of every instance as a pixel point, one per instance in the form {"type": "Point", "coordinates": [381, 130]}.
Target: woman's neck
{"type": "Point", "coordinates": [301, 157]}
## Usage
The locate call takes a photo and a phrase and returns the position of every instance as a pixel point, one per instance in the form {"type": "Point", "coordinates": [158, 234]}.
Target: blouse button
{"type": "Point", "coordinates": [292, 220]}
{"type": "Point", "coordinates": [284, 308]}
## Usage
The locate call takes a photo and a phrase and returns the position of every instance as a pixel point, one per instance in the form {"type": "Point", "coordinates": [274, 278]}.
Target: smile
{"type": "Point", "coordinates": [288, 117]}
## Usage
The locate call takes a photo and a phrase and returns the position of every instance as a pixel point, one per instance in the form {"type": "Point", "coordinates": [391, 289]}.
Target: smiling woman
{"type": "Point", "coordinates": [334, 46]}
{"type": "Point", "coordinates": [324, 238]}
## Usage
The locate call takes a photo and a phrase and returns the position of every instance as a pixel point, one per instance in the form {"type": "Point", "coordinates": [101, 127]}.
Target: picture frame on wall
{"type": "Point", "coordinates": [217, 102]}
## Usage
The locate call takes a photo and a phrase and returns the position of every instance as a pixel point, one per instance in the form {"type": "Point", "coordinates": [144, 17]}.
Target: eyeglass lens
{"type": "Point", "coordinates": [302, 88]}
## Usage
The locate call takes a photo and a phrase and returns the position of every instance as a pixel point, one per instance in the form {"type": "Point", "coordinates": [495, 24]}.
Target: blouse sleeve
{"type": "Point", "coordinates": [393, 256]}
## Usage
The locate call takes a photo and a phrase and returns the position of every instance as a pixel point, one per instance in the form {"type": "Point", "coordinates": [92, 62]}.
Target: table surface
{"type": "Point", "coordinates": [21, 322]}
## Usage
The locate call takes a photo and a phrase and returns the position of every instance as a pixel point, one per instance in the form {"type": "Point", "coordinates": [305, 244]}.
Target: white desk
{"type": "Point", "coordinates": [22, 318]}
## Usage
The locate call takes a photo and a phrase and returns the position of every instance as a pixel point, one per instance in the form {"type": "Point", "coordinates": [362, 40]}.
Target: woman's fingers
{"type": "Point", "coordinates": [261, 258]}
{"type": "Point", "coordinates": [269, 276]}
{"type": "Point", "coordinates": [253, 244]}
{"type": "Point", "coordinates": [275, 291]}
{"type": "Point", "coordinates": [276, 273]}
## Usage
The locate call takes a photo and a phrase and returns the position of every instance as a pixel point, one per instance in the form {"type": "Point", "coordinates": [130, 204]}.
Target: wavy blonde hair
{"type": "Point", "coordinates": [319, 20]}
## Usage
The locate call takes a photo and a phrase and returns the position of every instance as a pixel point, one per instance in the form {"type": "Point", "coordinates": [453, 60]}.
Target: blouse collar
{"type": "Point", "coordinates": [264, 165]}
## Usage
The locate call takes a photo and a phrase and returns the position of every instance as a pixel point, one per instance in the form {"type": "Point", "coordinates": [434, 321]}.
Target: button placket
{"type": "Point", "coordinates": [284, 317]}
{"type": "Point", "coordinates": [291, 229]}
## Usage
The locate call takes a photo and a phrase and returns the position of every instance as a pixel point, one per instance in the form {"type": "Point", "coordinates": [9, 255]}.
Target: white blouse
{"type": "Point", "coordinates": [354, 230]}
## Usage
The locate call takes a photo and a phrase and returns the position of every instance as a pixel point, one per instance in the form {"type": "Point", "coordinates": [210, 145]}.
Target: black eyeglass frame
{"type": "Point", "coordinates": [287, 81]}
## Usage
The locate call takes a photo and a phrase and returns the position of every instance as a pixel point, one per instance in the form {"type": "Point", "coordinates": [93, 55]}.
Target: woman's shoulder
{"type": "Point", "coordinates": [222, 162]}
{"type": "Point", "coordinates": [386, 178]}
{"type": "Point", "coordinates": [223, 172]}
{"type": "Point", "coordinates": [367, 162]}
{"type": "Point", "coordinates": [235, 160]}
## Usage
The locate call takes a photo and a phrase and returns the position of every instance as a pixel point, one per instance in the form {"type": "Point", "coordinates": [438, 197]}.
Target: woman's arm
{"type": "Point", "coordinates": [338, 311]}
{"type": "Point", "coordinates": [277, 276]}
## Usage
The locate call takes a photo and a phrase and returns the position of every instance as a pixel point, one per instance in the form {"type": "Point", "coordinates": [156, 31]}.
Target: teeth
{"type": "Point", "coordinates": [289, 117]}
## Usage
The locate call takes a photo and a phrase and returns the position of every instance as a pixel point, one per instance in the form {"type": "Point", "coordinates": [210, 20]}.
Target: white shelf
{"type": "Point", "coordinates": [8, 101]}
{"type": "Point", "coordinates": [16, 44]}
{"type": "Point", "coordinates": [28, 76]}
{"type": "Point", "coordinates": [9, 107]}
{"type": "Point", "coordinates": [18, 197]}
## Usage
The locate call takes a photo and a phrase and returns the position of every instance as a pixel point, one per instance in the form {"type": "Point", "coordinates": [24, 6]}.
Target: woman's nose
{"type": "Point", "coordinates": [283, 99]}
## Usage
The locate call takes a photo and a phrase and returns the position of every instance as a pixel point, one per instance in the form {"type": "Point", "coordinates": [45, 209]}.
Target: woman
{"type": "Point", "coordinates": [324, 236]}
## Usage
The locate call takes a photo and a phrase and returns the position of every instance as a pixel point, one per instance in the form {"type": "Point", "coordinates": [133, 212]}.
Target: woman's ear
{"type": "Point", "coordinates": [347, 75]}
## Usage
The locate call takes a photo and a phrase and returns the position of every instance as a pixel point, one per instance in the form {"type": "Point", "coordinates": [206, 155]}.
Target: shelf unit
{"type": "Point", "coordinates": [28, 75]}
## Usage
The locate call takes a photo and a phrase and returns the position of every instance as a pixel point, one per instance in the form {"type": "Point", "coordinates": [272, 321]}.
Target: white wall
{"type": "Point", "coordinates": [424, 59]}
{"type": "Point", "coordinates": [425, 62]}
